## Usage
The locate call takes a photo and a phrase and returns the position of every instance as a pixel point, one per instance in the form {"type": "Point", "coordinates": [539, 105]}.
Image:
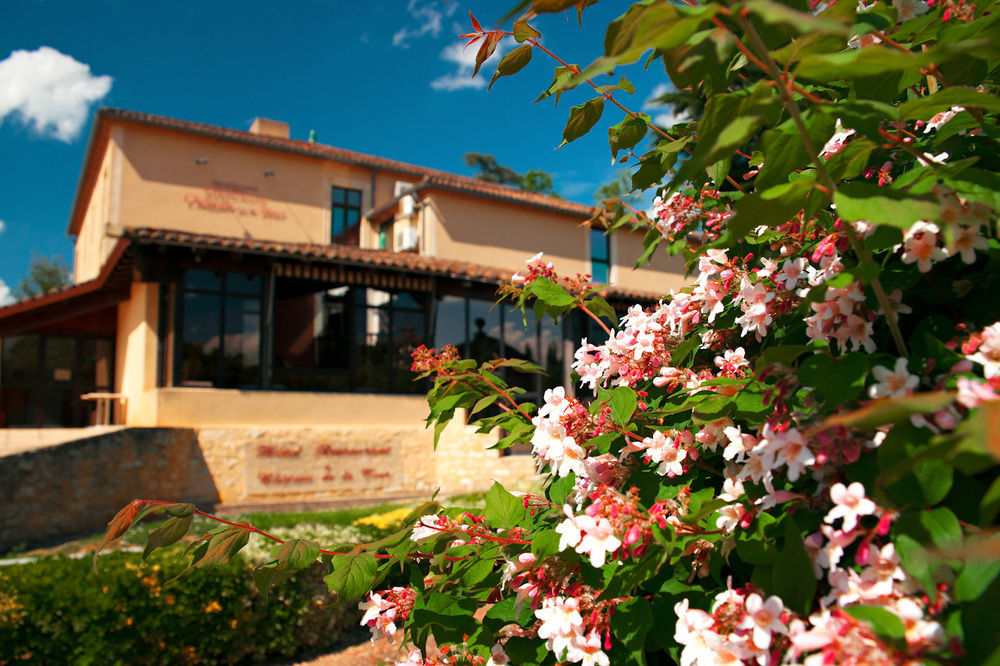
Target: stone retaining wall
{"type": "Point", "coordinates": [74, 488]}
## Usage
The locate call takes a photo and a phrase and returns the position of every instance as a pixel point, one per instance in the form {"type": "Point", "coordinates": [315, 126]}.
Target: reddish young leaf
{"type": "Point", "coordinates": [486, 50]}
{"type": "Point", "coordinates": [475, 23]}
{"type": "Point", "coordinates": [121, 522]}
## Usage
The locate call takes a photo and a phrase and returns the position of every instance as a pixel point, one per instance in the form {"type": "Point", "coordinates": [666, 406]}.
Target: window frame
{"type": "Point", "coordinates": [605, 240]}
{"type": "Point", "coordinates": [345, 206]}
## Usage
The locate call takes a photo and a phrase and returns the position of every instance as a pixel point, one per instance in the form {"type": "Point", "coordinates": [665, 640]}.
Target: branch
{"type": "Point", "coordinates": [771, 68]}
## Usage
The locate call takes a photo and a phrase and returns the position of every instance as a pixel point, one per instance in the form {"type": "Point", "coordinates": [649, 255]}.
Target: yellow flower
{"type": "Point", "coordinates": [213, 607]}
{"type": "Point", "coordinates": [384, 521]}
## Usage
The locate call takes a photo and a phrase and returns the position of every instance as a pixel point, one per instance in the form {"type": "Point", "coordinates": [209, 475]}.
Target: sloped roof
{"type": "Point", "coordinates": [472, 186]}
{"type": "Point", "coordinates": [349, 255]}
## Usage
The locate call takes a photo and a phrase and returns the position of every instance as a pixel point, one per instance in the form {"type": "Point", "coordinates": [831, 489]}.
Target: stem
{"type": "Point", "coordinates": [508, 397]}
{"type": "Point", "coordinates": [595, 318]}
{"type": "Point", "coordinates": [250, 528]}
{"type": "Point", "coordinates": [793, 110]}
{"type": "Point", "coordinates": [610, 97]}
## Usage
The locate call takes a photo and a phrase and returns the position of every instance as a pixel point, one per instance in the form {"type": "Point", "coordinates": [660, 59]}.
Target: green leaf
{"type": "Point", "coordinates": [882, 205]}
{"type": "Point", "coordinates": [626, 134]}
{"type": "Point", "coordinates": [793, 578]}
{"type": "Point", "coordinates": [631, 621]}
{"type": "Point", "coordinates": [179, 510]}
{"type": "Point", "coordinates": [838, 380]}
{"type": "Point", "coordinates": [168, 533]}
{"type": "Point", "coordinates": [550, 293]}
{"type": "Point", "coordinates": [523, 31]}
{"type": "Point", "coordinates": [885, 623]}
{"type": "Point", "coordinates": [855, 63]}
{"type": "Point", "coordinates": [512, 63]}
{"type": "Point", "coordinates": [943, 527]}
{"type": "Point", "coordinates": [923, 108]}
{"type": "Point", "coordinates": [623, 404]}
{"type": "Point", "coordinates": [352, 576]}
{"type": "Point", "coordinates": [560, 488]}
{"type": "Point", "coordinates": [297, 554]}
{"type": "Point", "coordinates": [503, 509]}
{"type": "Point", "coordinates": [718, 171]}
{"type": "Point", "coordinates": [545, 543]}
{"type": "Point", "coordinates": [976, 185]}
{"type": "Point", "coordinates": [224, 545]}
{"type": "Point", "coordinates": [915, 561]}
{"type": "Point", "coordinates": [264, 577]}
{"type": "Point", "coordinates": [581, 118]}
{"type": "Point", "coordinates": [850, 161]}
{"type": "Point", "coordinates": [976, 576]}
{"type": "Point", "coordinates": [770, 207]}
{"type": "Point", "coordinates": [803, 22]}
{"type": "Point", "coordinates": [780, 355]}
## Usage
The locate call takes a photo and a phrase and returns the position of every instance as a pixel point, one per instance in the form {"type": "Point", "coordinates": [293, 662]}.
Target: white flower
{"type": "Point", "coordinates": [425, 527]}
{"type": "Point", "coordinates": [920, 245]}
{"type": "Point", "coordinates": [894, 383]}
{"type": "Point", "coordinates": [850, 504]}
{"type": "Point", "coordinates": [561, 623]}
{"type": "Point", "coordinates": [569, 529]}
{"type": "Point", "coordinates": [598, 540]}
{"type": "Point", "coordinates": [764, 617]}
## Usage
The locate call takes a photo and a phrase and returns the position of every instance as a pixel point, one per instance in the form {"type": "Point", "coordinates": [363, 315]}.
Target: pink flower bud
{"type": "Point", "coordinates": [633, 535]}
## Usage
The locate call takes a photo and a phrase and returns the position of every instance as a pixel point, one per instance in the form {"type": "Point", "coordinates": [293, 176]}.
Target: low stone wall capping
{"type": "Point", "coordinates": [52, 493]}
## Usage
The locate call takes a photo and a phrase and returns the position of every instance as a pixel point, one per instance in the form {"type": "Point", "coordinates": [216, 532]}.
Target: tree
{"type": "Point", "coordinates": [492, 172]}
{"type": "Point", "coordinates": [44, 275]}
{"type": "Point", "coordinates": [794, 458]}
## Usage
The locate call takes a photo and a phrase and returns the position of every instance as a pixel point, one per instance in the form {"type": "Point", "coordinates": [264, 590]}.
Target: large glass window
{"type": "Point", "coordinates": [600, 256]}
{"type": "Point", "coordinates": [345, 215]}
{"type": "Point", "coordinates": [345, 338]}
{"type": "Point", "coordinates": [42, 379]}
{"type": "Point", "coordinates": [220, 329]}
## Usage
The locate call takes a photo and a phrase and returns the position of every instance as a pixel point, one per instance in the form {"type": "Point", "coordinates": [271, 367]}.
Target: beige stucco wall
{"type": "Point", "coordinates": [136, 354]}
{"type": "Point", "coordinates": [197, 407]}
{"type": "Point", "coordinates": [494, 233]}
{"type": "Point", "coordinates": [661, 275]}
{"type": "Point", "coordinates": [94, 244]}
{"type": "Point", "coordinates": [230, 194]}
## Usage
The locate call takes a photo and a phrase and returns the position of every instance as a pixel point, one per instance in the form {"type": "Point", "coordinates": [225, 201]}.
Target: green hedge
{"type": "Point", "coordinates": [56, 610]}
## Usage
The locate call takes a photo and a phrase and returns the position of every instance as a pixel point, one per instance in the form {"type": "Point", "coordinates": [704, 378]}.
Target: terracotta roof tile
{"type": "Point", "coordinates": [351, 256]}
{"type": "Point", "coordinates": [441, 179]}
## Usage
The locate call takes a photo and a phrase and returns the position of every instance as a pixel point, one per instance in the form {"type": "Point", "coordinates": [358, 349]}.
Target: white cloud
{"type": "Point", "coordinates": [669, 117]}
{"type": "Point", "coordinates": [49, 90]}
{"type": "Point", "coordinates": [465, 61]}
{"type": "Point", "coordinates": [6, 298]}
{"type": "Point", "coordinates": [429, 16]}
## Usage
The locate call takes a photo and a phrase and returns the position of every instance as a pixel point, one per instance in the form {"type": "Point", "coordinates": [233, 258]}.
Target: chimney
{"type": "Point", "coordinates": [268, 127]}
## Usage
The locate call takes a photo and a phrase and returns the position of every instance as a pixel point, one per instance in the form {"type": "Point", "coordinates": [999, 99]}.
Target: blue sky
{"type": "Point", "coordinates": [386, 78]}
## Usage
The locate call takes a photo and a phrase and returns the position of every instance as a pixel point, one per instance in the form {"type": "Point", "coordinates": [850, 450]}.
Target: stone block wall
{"type": "Point", "coordinates": [76, 487]}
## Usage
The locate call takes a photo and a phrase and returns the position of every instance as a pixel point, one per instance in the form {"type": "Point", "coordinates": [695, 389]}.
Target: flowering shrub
{"type": "Point", "coordinates": [792, 460]}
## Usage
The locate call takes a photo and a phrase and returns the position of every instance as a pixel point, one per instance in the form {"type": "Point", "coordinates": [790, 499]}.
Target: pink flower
{"type": "Point", "coordinates": [973, 393]}
{"type": "Point", "coordinates": [850, 504]}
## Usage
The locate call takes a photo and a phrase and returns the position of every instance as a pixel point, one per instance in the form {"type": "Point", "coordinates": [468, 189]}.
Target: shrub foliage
{"type": "Point", "coordinates": [793, 459]}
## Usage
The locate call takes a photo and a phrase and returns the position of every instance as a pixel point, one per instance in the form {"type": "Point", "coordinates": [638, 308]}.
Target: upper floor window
{"type": "Point", "coordinates": [345, 216]}
{"type": "Point", "coordinates": [600, 256]}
